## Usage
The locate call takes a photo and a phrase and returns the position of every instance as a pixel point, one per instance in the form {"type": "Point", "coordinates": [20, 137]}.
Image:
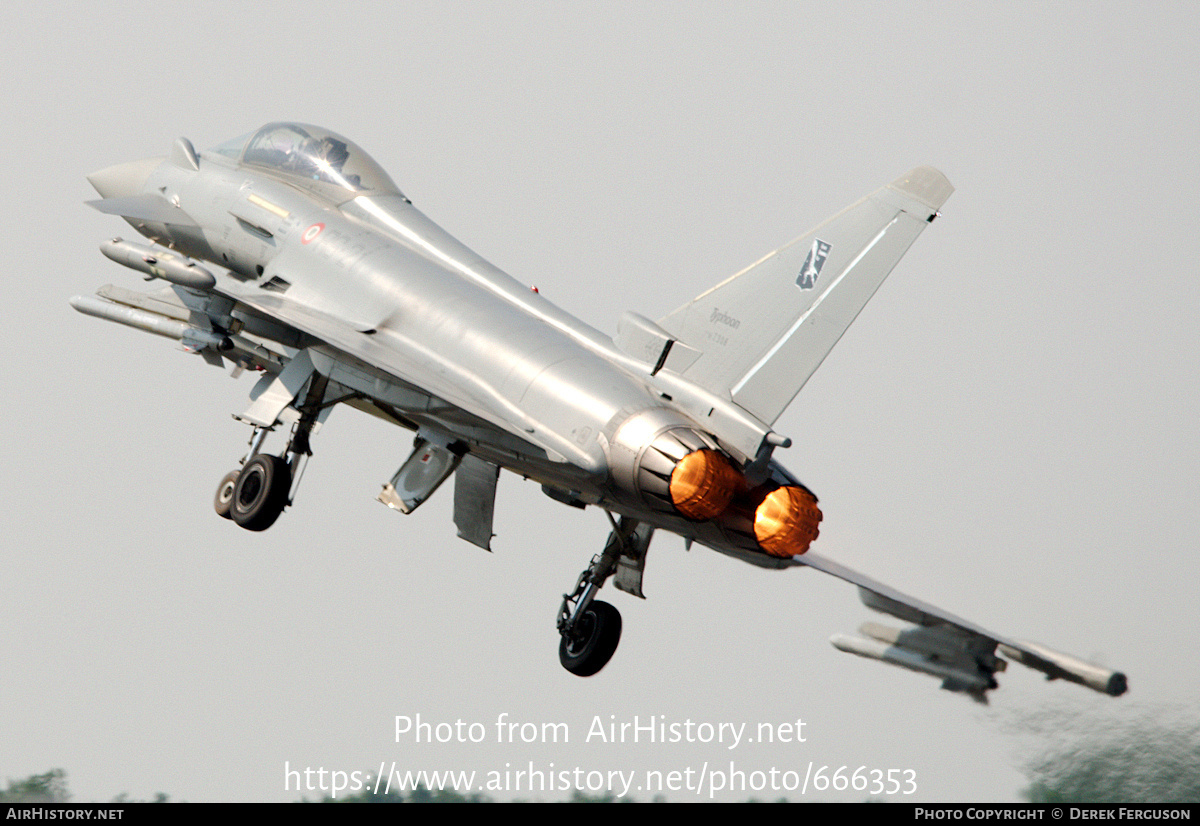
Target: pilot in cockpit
{"type": "Point", "coordinates": [323, 159]}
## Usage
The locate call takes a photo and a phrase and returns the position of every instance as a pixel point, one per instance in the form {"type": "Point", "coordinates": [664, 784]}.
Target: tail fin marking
{"type": "Point", "coordinates": [763, 332]}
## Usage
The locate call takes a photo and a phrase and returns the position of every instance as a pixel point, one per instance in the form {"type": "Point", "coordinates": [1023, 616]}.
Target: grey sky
{"type": "Point", "coordinates": [1008, 431]}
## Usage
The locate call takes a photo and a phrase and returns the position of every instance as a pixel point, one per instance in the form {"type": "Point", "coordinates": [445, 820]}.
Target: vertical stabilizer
{"type": "Point", "coordinates": [764, 331]}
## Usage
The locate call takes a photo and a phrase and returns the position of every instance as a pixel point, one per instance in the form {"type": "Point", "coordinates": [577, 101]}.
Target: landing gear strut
{"type": "Point", "coordinates": [256, 495]}
{"type": "Point", "coordinates": [591, 629]}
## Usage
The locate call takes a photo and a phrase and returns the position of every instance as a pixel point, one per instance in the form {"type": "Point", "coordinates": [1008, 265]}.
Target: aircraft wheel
{"type": "Point", "coordinates": [594, 642]}
{"type": "Point", "coordinates": [261, 492]}
{"type": "Point", "coordinates": [223, 501]}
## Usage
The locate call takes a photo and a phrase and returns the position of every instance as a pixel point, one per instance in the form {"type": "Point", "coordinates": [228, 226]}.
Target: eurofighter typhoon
{"type": "Point", "coordinates": [291, 253]}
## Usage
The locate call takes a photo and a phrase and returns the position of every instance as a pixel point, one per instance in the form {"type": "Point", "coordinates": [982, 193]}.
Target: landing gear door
{"type": "Point", "coordinates": [475, 500]}
{"type": "Point", "coordinates": [271, 400]}
{"type": "Point", "coordinates": [420, 475]}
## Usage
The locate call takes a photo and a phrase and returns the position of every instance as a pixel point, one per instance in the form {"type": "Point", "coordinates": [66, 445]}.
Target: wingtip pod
{"type": "Point", "coordinates": [1056, 665]}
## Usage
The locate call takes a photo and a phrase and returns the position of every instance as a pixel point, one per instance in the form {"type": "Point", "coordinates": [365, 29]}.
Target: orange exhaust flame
{"type": "Point", "coordinates": [703, 484]}
{"type": "Point", "coordinates": [785, 522]}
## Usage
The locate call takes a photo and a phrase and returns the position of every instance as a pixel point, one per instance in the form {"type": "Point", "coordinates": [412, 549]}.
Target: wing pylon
{"type": "Point", "coordinates": [939, 643]}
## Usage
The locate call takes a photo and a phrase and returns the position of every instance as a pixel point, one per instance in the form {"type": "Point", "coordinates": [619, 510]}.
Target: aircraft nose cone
{"type": "Point", "coordinates": [124, 179]}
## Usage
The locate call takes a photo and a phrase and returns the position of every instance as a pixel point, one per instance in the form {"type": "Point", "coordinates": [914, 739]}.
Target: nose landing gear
{"type": "Point", "coordinates": [256, 495]}
{"type": "Point", "coordinates": [223, 501]}
{"type": "Point", "coordinates": [261, 492]}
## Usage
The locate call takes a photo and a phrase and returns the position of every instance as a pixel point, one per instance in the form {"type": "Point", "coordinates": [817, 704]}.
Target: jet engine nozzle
{"type": "Point", "coordinates": [786, 520]}
{"type": "Point", "coordinates": [673, 467]}
{"type": "Point", "coordinates": [703, 484]}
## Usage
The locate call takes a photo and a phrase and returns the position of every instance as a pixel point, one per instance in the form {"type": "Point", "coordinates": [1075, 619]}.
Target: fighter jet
{"type": "Point", "coordinates": [289, 252]}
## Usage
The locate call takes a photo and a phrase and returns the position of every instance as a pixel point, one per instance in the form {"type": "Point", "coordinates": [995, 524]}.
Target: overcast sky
{"type": "Point", "coordinates": [1008, 431]}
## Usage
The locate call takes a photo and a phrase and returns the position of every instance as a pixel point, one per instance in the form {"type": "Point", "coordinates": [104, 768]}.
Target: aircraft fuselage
{"type": "Point", "coordinates": [378, 281]}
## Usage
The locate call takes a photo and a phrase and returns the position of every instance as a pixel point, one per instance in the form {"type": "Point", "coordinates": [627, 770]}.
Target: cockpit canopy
{"type": "Point", "coordinates": [312, 158]}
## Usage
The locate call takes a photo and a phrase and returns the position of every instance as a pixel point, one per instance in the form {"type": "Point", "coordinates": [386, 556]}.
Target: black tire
{"type": "Point", "coordinates": [223, 501]}
{"type": "Point", "coordinates": [261, 492]}
{"type": "Point", "coordinates": [594, 642]}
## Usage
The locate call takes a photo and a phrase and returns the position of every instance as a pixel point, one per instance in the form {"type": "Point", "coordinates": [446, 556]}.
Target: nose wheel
{"type": "Point", "coordinates": [261, 492]}
{"type": "Point", "coordinates": [223, 501]}
{"type": "Point", "coordinates": [255, 496]}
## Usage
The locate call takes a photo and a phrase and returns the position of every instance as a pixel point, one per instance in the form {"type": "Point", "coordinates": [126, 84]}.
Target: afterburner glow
{"type": "Point", "coordinates": [703, 484]}
{"type": "Point", "coordinates": [785, 522]}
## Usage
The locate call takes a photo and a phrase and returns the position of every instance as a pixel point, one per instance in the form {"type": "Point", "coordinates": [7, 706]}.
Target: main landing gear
{"type": "Point", "coordinates": [591, 629]}
{"type": "Point", "coordinates": [255, 496]}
